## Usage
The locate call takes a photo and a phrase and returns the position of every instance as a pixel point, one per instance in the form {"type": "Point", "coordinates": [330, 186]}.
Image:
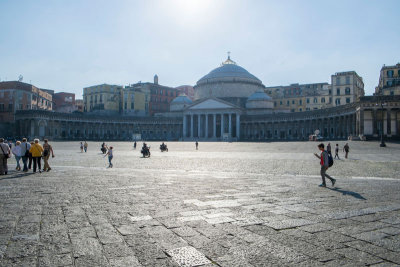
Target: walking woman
{"type": "Point", "coordinates": [36, 151]}
{"type": "Point", "coordinates": [46, 155]}
{"type": "Point", "coordinates": [4, 155]}
{"type": "Point", "coordinates": [16, 150]}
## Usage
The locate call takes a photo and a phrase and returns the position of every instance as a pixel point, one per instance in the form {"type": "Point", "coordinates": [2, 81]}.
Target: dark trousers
{"type": "Point", "coordinates": [25, 162]}
{"type": "Point", "coordinates": [36, 162]}
{"type": "Point", "coordinates": [323, 174]}
{"type": "Point", "coordinates": [30, 161]}
{"type": "Point", "coordinates": [3, 163]}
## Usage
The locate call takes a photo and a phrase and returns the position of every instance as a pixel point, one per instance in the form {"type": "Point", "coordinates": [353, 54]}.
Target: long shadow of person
{"type": "Point", "coordinates": [345, 192]}
{"type": "Point", "coordinates": [15, 175]}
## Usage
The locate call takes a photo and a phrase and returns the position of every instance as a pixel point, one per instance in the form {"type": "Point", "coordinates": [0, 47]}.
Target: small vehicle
{"type": "Point", "coordinates": [145, 152]}
{"type": "Point", "coordinates": [163, 147]}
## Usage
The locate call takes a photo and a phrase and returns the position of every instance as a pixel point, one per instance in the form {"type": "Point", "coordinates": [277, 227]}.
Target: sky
{"type": "Point", "coordinates": [68, 45]}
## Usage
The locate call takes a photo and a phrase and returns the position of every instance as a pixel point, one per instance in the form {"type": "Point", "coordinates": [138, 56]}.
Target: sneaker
{"type": "Point", "coordinates": [48, 169]}
{"type": "Point", "coordinates": [333, 182]}
{"type": "Point", "coordinates": [322, 185]}
{"type": "Point", "coordinates": [40, 171]}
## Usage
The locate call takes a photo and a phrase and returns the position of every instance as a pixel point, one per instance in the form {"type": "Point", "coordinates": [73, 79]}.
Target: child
{"type": "Point", "coordinates": [110, 156]}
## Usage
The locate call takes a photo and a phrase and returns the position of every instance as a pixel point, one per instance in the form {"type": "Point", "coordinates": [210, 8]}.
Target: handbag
{"type": "Point", "coordinates": [8, 155]}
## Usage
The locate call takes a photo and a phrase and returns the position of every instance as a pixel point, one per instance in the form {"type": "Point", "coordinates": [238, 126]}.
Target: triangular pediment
{"type": "Point", "coordinates": [211, 103]}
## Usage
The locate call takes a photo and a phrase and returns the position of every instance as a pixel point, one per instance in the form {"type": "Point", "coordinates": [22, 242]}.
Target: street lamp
{"type": "Point", "coordinates": [382, 124]}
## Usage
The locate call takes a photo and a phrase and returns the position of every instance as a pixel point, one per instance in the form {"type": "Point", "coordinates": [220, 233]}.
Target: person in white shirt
{"type": "Point", "coordinates": [16, 150]}
{"type": "Point", "coordinates": [4, 154]}
{"type": "Point", "coordinates": [110, 156]}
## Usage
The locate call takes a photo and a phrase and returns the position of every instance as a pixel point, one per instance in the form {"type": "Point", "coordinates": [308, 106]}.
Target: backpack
{"type": "Point", "coordinates": [330, 160]}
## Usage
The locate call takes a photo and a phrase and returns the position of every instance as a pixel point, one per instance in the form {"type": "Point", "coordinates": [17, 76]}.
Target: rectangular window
{"type": "Point", "coordinates": [347, 79]}
{"type": "Point", "coordinates": [347, 91]}
{"type": "Point", "coordinates": [390, 73]}
{"type": "Point", "coordinates": [132, 105]}
{"type": "Point", "coordinates": [315, 100]}
{"type": "Point", "coordinates": [337, 101]}
{"type": "Point", "coordinates": [10, 107]}
{"type": "Point", "coordinates": [308, 101]}
{"type": "Point", "coordinates": [300, 109]}
{"type": "Point", "coordinates": [280, 103]}
{"type": "Point", "coordinates": [287, 103]}
{"type": "Point", "coordinates": [337, 91]}
{"type": "Point", "coordinates": [300, 102]}
{"type": "Point", "coordinates": [293, 102]}
{"type": "Point", "coordinates": [20, 106]}
{"type": "Point", "coordinates": [126, 105]}
{"type": "Point", "coordinates": [337, 80]}
{"type": "Point", "coordinates": [347, 100]}
{"type": "Point", "coordinates": [323, 100]}
{"type": "Point", "coordinates": [101, 98]}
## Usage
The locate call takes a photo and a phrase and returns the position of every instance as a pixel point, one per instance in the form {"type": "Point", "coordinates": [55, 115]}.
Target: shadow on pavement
{"type": "Point", "coordinates": [350, 193]}
{"type": "Point", "coordinates": [15, 175]}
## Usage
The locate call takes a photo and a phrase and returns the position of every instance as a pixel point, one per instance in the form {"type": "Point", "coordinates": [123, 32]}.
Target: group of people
{"type": "Point", "coordinates": [84, 146]}
{"type": "Point", "coordinates": [346, 149]}
{"type": "Point", "coordinates": [28, 152]}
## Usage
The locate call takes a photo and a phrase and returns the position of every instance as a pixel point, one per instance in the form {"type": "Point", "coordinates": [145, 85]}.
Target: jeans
{"type": "Point", "coordinates": [25, 162]}
{"type": "Point", "coordinates": [109, 160]}
{"type": "Point", "coordinates": [30, 161]}
{"type": "Point", "coordinates": [17, 159]}
{"type": "Point", "coordinates": [36, 161]}
{"type": "Point", "coordinates": [323, 174]}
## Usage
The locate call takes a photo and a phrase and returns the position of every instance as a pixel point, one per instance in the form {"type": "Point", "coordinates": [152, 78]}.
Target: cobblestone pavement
{"type": "Point", "coordinates": [226, 204]}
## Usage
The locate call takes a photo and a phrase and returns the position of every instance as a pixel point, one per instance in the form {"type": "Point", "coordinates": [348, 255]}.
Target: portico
{"type": "Point", "coordinates": [211, 119]}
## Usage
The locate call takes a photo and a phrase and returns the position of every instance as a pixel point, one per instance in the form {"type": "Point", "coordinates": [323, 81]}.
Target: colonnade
{"type": "Point", "coordinates": [212, 126]}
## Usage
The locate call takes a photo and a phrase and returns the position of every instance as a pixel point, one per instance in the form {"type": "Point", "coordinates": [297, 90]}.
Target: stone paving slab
{"type": "Point", "coordinates": [224, 206]}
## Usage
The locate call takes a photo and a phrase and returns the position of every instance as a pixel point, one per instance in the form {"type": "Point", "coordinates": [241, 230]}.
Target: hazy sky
{"type": "Point", "coordinates": [68, 45]}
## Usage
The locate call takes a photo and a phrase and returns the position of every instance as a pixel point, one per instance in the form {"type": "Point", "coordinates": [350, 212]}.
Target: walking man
{"type": "Point", "coordinates": [197, 145]}
{"type": "Point", "coordinates": [329, 149]}
{"type": "Point", "coordinates": [346, 149]}
{"type": "Point", "coordinates": [46, 155]}
{"type": "Point", "coordinates": [337, 151]}
{"type": "Point", "coordinates": [25, 146]}
{"type": "Point", "coordinates": [85, 146]}
{"type": "Point", "coordinates": [4, 154]}
{"type": "Point", "coordinates": [324, 165]}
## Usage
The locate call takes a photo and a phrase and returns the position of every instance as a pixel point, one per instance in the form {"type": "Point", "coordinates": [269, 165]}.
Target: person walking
{"type": "Point", "coordinates": [85, 146]}
{"type": "Point", "coordinates": [134, 145]}
{"type": "Point", "coordinates": [30, 156]}
{"type": "Point", "coordinates": [324, 165]}
{"type": "Point", "coordinates": [4, 155]}
{"type": "Point", "coordinates": [36, 151]}
{"type": "Point", "coordinates": [110, 156]}
{"type": "Point", "coordinates": [337, 151]}
{"type": "Point", "coordinates": [25, 146]}
{"type": "Point", "coordinates": [81, 146]}
{"type": "Point", "coordinates": [16, 150]}
{"type": "Point", "coordinates": [197, 145]}
{"type": "Point", "coordinates": [329, 149]}
{"type": "Point", "coordinates": [346, 149]}
{"type": "Point", "coordinates": [47, 149]}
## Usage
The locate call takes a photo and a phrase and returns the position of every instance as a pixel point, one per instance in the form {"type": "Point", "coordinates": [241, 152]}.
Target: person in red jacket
{"type": "Point", "coordinates": [324, 165]}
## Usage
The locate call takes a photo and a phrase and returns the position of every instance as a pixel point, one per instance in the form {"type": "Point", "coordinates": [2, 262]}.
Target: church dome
{"type": "Point", "coordinates": [259, 96]}
{"type": "Point", "coordinates": [180, 102]}
{"type": "Point", "coordinates": [229, 70]}
{"type": "Point", "coordinates": [228, 82]}
{"type": "Point", "coordinates": [259, 100]}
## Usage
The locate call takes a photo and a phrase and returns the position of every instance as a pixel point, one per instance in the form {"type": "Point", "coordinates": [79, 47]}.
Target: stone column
{"type": "Point", "coordinates": [198, 125]}
{"type": "Point", "coordinates": [215, 126]}
{"type": "Point", "coordinates": [222, 125]}
{"type": "Point", "coordinates": [238, 126]}
{"type": "Point", "coordinates": [206, 133]}
{"type": "Point", "coordinates": [191, 126]}
{"type": "Point", "coordinates": [230, 125]}
{"type": "Point", "coordinates": [388, 122]}
{"type": "Point", "coordinates": [184, 127]}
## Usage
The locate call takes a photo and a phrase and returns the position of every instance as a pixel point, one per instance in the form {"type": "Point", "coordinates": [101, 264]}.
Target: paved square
{"type": "Point", "coordinates": [227, 204]}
